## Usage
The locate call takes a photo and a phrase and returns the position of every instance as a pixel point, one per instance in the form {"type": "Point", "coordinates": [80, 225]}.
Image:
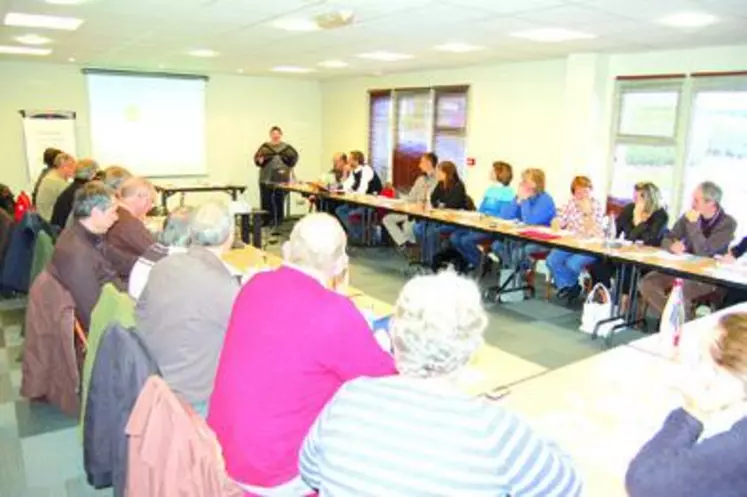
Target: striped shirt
{"type": "Point", "coordinates": [399, 436]}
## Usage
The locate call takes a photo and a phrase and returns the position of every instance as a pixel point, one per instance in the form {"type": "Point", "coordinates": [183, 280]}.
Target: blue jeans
{"type": "Point", "coordinates": [466, 241]}
{"type": "Point", "coordinates": [565, 267]}
{"type": "Point", "coordinates": [355, 231]}
{"type": "Point", "coordinates": [514, 253]}
{"type": "Point", "coordinates": [429, 237]}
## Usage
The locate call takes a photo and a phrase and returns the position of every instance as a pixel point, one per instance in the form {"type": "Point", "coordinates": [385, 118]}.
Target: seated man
{"type": "Point", "coordinates": [53, 184]}
{"type": "Point", "coordinates": [184, 309]}
{"type": "Point", "coordinates": [174, 238]}
{"type": "Point", "coordinates": [705, 230]}
{"type": "Point", "coordinates": [399, 226]}
{"type": "Point", "coordinates": [129, 235]}
{"type": "Point", "coordinates": [85, 171]}
{"type": "Point", "coordinates": [81, 261]}
{"type": "Point", "coordinates": [361, 179]}
{"type": "Point", "coordinates": [292, 342]}
{"type": "Point", "coordinates": [420, 433]}
{"type": "Point", "coordinates": [114, 176]}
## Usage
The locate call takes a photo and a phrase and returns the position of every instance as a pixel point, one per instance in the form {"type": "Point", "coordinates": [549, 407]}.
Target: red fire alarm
{"type": "Point", "coordinates": [470, 161]}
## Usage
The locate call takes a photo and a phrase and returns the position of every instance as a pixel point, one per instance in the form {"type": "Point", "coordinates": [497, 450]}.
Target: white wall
{"type": "Point", "coordinates": [240, 111]}
{"type": "Point", "coordinates": [554, 114]}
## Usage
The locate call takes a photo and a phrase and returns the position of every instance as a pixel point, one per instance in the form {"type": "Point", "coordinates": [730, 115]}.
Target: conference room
{"type": "Point", "coordinates": [542, 198]}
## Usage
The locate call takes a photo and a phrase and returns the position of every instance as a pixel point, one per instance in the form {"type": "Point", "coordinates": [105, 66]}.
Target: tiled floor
{"type": "Point", "coordinates": [40, 452]}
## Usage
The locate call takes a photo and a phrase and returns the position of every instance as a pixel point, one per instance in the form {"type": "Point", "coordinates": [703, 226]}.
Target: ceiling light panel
{"type": "Point", "coordinates": [552, 35]}
{"type": "Point", "coordinates": [292, 69]}
{"type": "Point", "coordinates": [302, 25]}
{"type": "Point", "coordinates": [333, 64]}
{"type": "Point", "coordinates": [203, 52]}
{"type": "Point", "coordinates": [457, 47]}
{"type": "Point", "coordinates": [689, 20]}
{"type": "Point", "coordinates": [42, 21]}
{"type": "Point", "coordinates": [385, 56]}
{"type": "Point", "coordinates": [18, 50]}
{"type": "Point", "coordinates": [32, 39]}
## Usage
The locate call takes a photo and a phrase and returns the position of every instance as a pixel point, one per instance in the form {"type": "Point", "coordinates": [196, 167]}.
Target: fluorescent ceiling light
{"type": "Point", "coordinates": [42, 21]}
{"type": "Point", "coordinates": [689, 20]}
{"type": "Point", "coordinates": [66, 2]}
{"type": "Point", "coordinates": [203, 52]}
{"type": "Point", "coordinates": [16, 50]}
{"type": "Point", "coordinates": [71, 59]}
{"type": "Point", "coordinates": [385, 56]}
{"type": "Point", "coordinates": [32, 39]}
{"type": "Point", "coordinates": [552, 35]}
{"type": "Point", "coordinates": [333, 64]}
{"type": "Point", "coordinates": [296, 25]}
{"type": "Point", "coordinates": [457, 47]}
{"type": "Point", "coordinates": [292, 69]}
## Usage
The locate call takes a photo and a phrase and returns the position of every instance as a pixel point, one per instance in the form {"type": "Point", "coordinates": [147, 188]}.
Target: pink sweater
{"type": "Point", "coordinates": [291, 343]}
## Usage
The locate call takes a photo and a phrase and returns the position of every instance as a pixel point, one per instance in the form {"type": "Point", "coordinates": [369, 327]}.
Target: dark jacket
{"type": "Point", "coordinates": [129, 239]}
{"type": "Point", "coordinates": [81, 262]}
{"type": "Point", "coordinates": [63, 206]}
{"type": "Point", "coordinates": [50, 367]}
{"type": "Point", "coordinates": [650, 232]}
{"type": "Point", "coordinates": [738, 250]}
{"type": "Point", "coordinates": [120, 370]}
{"type": "Point", "coordinates": [674, 464]}
{"type": "Point", "coordinates": [453, 198]}
{"type": "Point", "coordinates": [20, 251]}
{"type": "Point", "coordinates": [6, 228]}
{"type": "Point", "coordinates": [704, 238]}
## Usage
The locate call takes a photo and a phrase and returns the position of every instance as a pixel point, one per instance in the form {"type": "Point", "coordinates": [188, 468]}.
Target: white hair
{"type": "Point", "coordinates": [212, 224]}
{"type": "Point", "coordinates": [438, 325]}
{"type": "Point", "coordinates": [318, 242]}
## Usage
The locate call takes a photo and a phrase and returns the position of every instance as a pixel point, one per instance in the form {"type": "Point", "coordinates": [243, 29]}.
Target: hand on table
{"type": "Point", "coordinates": [727, 259]}
{"type": "Point", "coordinates": [692, 215]}
{"type": "Point", "coordinates": [678, 248]}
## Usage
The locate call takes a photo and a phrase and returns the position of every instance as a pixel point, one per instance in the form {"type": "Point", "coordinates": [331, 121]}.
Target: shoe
{"type": "Point", "coordinates": [572, 294]}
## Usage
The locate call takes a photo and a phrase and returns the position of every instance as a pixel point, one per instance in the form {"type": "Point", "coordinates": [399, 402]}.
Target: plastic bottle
{"type": "Point", "coordinates": [672, 321]}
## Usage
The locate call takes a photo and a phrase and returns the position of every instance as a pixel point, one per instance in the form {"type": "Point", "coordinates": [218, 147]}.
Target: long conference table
{"type": "Point", "coordinates": [633, 258]}
{"type": "Point", "coordinates": [599, 410]}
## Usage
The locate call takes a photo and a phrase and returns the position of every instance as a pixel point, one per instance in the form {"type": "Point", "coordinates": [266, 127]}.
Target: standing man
{"type": "Point", "coordinates": [275, 159]}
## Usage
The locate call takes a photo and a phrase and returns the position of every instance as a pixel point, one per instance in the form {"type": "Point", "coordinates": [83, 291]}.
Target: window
{"type": "Point", "coordinates": [646, 136]}
{"type": "Point", "coordinates": [680, 131]}
{"type": "Point", "coordinates": [406, 123]}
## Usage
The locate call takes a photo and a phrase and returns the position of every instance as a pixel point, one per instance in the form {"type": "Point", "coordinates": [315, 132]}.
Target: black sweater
{"type": "Point", "coordinates": [738, 250]}
{"type": "Point", "coordinates": [453, 198]}
{"type": "Point", "coordinates": [650, 232]}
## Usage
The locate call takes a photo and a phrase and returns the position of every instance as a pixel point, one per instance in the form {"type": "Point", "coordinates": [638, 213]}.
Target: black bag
{"type": "Point", "coordinates": [7, 200]}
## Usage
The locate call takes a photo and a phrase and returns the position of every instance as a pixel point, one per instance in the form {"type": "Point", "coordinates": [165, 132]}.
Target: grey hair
{"type": "Point", "coordinates": [211, 225]}
{"type": "Point", "coordinates": [318, 242]}
{"type": "Point", "coordinates": [177, 231]}
{"type": "Point", "coordinates": [114, 176]}
{"type": "Point", "coordinates": [711, 191]}
{"type": "Point", "coordinates": [92, 195]}
{"type": "Point", "coordinates": [61, 158]}
{"type": "Point", "coordinates": [86, 169]}
{"type": "Point", "coordinates": [438, 325]}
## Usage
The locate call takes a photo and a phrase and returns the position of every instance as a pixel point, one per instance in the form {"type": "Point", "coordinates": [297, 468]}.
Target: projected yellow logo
{"type": "Point", "coordinates": [132, 113]}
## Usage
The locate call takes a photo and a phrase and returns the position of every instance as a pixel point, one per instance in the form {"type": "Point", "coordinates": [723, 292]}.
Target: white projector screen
{"type": "Point", "coordinates": [152, 125]}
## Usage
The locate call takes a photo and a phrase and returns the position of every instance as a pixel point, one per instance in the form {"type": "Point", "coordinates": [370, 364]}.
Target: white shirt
{"type": "Point", "coordinates": [367, 174]}
{"type": "Point", "coordinates": [141, 271]}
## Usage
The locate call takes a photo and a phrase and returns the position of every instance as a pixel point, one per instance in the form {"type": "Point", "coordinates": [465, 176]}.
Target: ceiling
{"type": "Point", "coordinates": [156, 34]}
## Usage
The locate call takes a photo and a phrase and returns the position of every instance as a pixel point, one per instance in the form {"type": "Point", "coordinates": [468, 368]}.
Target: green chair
{"type": "Point", "coordinates": [113, 306]}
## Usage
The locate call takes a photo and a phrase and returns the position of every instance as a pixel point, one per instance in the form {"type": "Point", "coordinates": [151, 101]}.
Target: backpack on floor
{"type": "Point", "coordinates": [450, 257]}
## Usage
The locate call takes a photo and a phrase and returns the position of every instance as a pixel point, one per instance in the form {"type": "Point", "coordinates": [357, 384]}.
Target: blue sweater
{"type": "Point", "coordinates": [497, 199]}
{"type": "Point", "coordinates": [538, 210]}
{"type": "Point", "coordinates": [675, 464]}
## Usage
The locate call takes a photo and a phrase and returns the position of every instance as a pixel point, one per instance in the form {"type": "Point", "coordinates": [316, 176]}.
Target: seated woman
{"type": "Point", "coordinates": [683, 460]}
{"type": "Point", "coordinates": [292, 341]}
{"type": "Point", "coordinates": [641, 221]}
{"type": "Point", "coordinates": [448, 194]}
{"type": "Point", "coordinates": [583, 215]}
{"type": "Point", "coordinates": [495, 202]}
{"type": "Point", "coordinates": [420, 433]}
{"type": "Point", "coordinates": [532, 206]}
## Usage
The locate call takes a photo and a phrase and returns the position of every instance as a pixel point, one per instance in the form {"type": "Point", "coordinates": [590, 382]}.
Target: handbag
{"type": "Point", "coordinates": [597, 310]}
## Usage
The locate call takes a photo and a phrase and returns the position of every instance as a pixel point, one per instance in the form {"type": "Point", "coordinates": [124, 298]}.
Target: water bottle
{"type": "Point", "coordinates": [672, 322]}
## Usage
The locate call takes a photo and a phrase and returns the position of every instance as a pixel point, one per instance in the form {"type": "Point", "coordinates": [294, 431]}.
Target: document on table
{"type": "Point", "coordinates": [730, 272]}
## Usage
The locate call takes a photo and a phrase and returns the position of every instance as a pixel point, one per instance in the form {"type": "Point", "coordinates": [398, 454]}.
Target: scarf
{"type": "Point", "coordinates": [707, 225]}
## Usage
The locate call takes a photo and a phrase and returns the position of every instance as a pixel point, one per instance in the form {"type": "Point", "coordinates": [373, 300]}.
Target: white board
{"type": "Point", "coordinates": [43, 129]}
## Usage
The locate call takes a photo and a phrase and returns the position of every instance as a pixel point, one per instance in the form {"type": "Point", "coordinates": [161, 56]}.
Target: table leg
{"type": "Point", "coordinates": [257, 230]}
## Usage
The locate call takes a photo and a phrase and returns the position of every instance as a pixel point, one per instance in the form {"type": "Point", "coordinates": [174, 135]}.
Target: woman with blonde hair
{"type": "Point", "coordinates": [683, 459]}
{"type": "Point", "coordinates": [641, 221]}
{"type": "Point", "coordinates": [420, 433]}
